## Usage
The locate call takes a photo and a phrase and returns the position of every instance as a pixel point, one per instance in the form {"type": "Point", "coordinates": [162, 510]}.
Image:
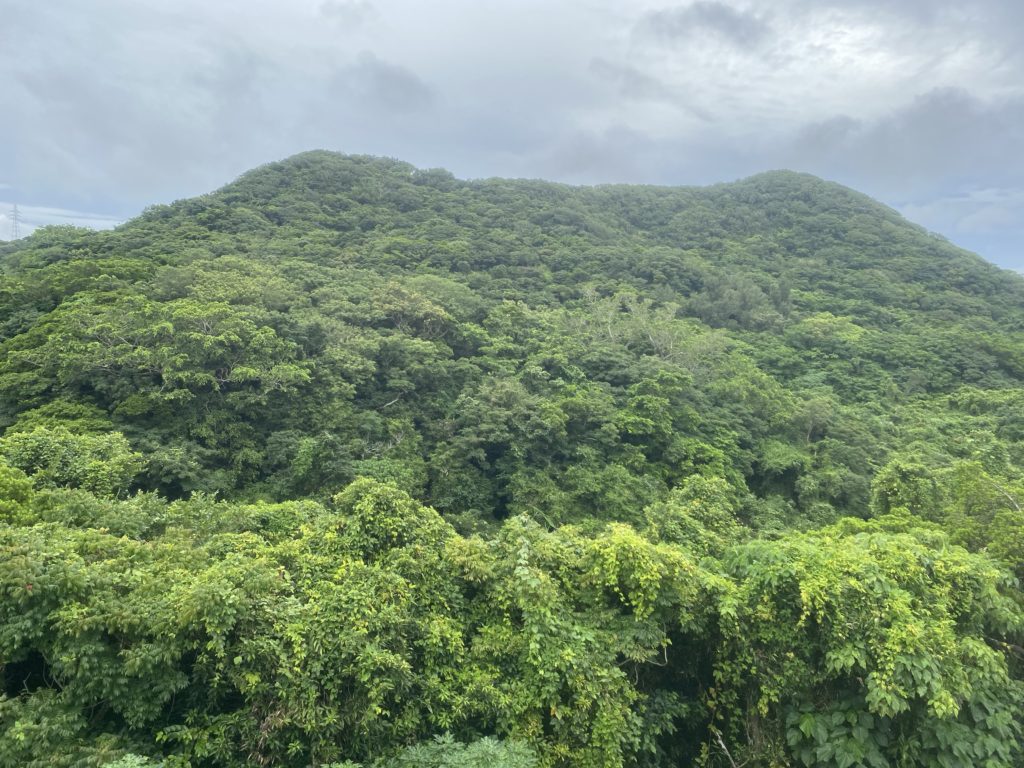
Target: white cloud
{"type": "Point", "coordinates": [32, 217]}
{"type": "Point", "coordinates": [976, 212]}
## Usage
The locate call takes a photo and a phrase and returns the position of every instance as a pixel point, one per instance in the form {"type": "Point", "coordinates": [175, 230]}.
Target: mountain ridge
{"type": "Point", "coordinates": [760, 180]}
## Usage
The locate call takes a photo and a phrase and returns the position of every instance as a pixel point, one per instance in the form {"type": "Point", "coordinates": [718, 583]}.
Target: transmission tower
{"type": "Point", "coordinates": [15, 223]}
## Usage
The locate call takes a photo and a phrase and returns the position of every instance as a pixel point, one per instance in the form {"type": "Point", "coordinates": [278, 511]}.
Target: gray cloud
{"type": "Point", "coordinates": [379, 85]}
{"type": "Point", "coordinates": [632, 84]}
{"type": "Point", "coordinates": [348, 13]}
{"type": "Point", "coordinates": [689, 22]}
{"type": "Point", "coordinates": [945, 136]}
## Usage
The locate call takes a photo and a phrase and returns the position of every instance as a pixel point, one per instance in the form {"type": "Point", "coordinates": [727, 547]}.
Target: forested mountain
{"type": "Point", "coordinates": [351, 461]}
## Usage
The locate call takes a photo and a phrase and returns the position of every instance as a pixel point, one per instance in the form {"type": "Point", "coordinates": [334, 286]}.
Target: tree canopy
{"type": "Point", "coordinates": [355, 464]}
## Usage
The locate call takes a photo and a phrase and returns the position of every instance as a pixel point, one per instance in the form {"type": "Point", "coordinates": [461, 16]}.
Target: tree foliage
{"type": "Point", "coordinates": [352, 464]}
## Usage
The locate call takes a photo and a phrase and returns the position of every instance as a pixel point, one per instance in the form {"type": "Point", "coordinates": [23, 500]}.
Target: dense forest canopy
{"type": "Point", "coordinates": [354, 463]}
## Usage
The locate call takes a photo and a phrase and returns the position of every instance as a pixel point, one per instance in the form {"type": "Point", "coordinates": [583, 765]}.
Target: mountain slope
{"type": "Point", "coordinates": [350, 461]}
{"type": "Point", "coordinates": [329, 316]}
{"type": "Point", "coordinates": [332, 315]}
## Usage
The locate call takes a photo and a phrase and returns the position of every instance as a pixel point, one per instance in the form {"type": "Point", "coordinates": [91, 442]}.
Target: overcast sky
{"type": "Point", "coordinates": [108, 106]}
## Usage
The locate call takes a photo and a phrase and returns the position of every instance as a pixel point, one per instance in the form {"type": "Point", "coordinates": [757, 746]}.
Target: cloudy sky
{"type": "Point", "coordinates": [108, 106]}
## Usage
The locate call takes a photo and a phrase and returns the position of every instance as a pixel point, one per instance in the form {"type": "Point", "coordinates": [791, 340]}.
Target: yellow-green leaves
{"type": "Point", "coordinates": [859, 618]}
{"type": "Point", "coordinates": [54, 456]}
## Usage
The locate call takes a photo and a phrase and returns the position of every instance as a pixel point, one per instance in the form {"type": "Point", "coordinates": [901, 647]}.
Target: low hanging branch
{"type": "Point", "coordinates": [725, 749]}
{"type": "Point", "coordinates": [1005, 493]}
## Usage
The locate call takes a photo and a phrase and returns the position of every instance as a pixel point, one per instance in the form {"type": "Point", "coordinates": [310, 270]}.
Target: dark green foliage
{"type": "Point", "coordinates": [354, 464]}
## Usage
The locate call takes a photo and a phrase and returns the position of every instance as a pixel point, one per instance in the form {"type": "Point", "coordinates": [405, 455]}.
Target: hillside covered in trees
{"type": "Point", "coordinates": [350, 463]}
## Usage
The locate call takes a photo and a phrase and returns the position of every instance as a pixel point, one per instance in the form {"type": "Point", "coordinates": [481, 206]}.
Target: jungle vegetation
{"type": "Point", "coordinates": [355, 464]}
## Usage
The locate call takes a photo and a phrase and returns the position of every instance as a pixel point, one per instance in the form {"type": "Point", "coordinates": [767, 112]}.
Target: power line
{"type": "Point", "coordinates": [15, 223]}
